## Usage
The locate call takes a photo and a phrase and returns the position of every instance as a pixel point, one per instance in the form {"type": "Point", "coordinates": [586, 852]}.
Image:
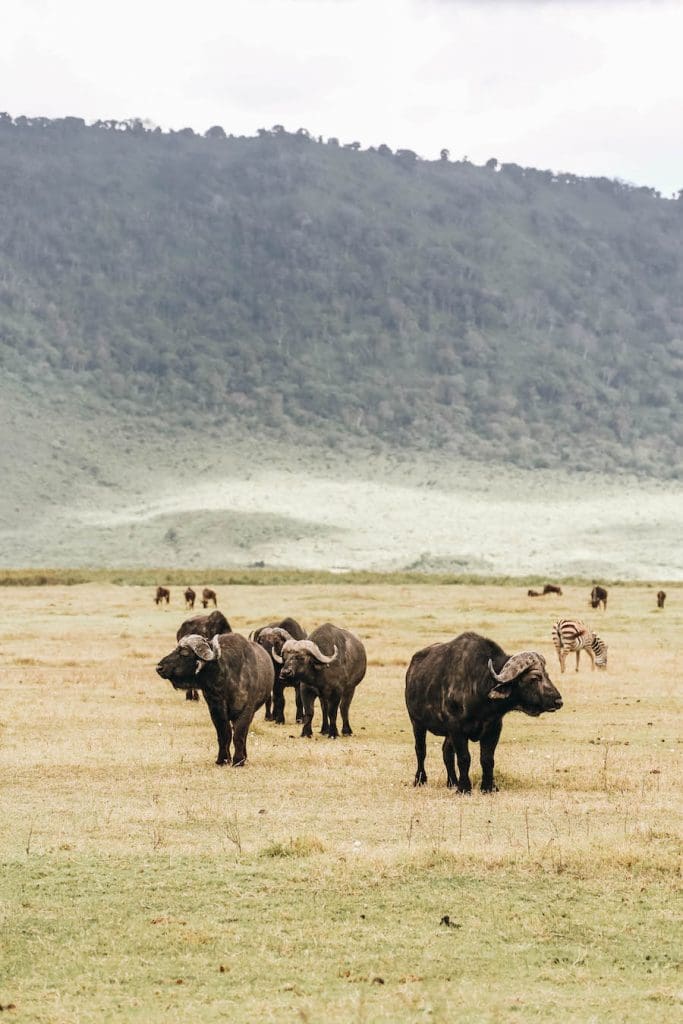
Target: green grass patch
{"type": "Point", "coordinates": [266, 577]}
{"type": "Point", "coordinates": [177, 939]}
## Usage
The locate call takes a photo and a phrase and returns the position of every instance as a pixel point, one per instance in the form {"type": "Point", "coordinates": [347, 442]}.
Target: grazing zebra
{"type": "Point", "coordinates": [572, 635]}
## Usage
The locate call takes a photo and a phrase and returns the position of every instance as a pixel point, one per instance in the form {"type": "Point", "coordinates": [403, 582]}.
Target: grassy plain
{"type": "Point", "coordinates": [141, 883]}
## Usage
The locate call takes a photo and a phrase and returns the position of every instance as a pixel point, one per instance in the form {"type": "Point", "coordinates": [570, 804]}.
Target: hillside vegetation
{"type": "Point", "coordinates": [324, 293]}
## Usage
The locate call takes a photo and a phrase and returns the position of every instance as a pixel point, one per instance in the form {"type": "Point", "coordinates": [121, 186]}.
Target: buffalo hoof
{"type": "Point", "coordinates": [269, 718]}
{"type": "Point", "coordinates": [493, 788]}
{"type": "Point", "coordinates": [420, 779]}
{"type": "Point", "coordinates": [239, 764]}
{"type": "Point", "coordinates": [464, 790]}
{"type": "Point", "coordinates": [451, 783]}
{"type": "Point", "coordinates": [347, 731]}
{"type": "Point", "coordinates": [279, 721]}
{"type": "Point", "coordinates": [222, 760]}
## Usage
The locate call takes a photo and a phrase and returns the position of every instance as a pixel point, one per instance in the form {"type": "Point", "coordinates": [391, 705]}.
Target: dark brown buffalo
{"type": "Point", "coordinates": [272, 638]}
{"type": "Point", "coordinates": [551, 588]}
{"type": "Point", "coordinates": [190, 598]}
{"type": "Point", "coordinates": [207, 626]}
{"type": "Point", "coordinates": [661, 598]}
{"type": "Point", "coordinates": [209, 597]}
{"type": "Point", "coordinates": [533, 593]}
{"type": "Point", "coordinates": [599, 597]}
{"type": "Point", "coordinates": [333, 676]}
{"type": "Point", "coordinates": [162, 595]}
{"type": "Point", "coordinates": [461, 690]}
{"type": "Point", "coordinates": [235, 676]}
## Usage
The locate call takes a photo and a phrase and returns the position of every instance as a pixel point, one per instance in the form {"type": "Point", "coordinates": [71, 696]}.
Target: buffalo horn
{"type": "Point", "coordinates": [312, 648]}
{"type": "Point", "coordinates": [514, 666]}
{"type": "Point", "coordinates": [199, 646]}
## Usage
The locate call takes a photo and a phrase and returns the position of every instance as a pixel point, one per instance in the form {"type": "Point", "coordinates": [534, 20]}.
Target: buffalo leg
{"type": "Point", "coordinates": [191, 695]}
{"type": "Point", "coordinates": [344, 706]}
{"type": "Point", "coordinates": [269, 712]}
{"type": "Point", "coordinates": [308, 697]}
{"type": "Point", "coordinates": [420, 752]}
{"type": "Point", "coordinates": [448, 752]}
{"type": "Point", "coordinates": [241, 728]}
{"type": "Point", "coordinates": [219, 717]}
{"type": "Point", "coordinates": [487, 748]}
{"type": "Point", "coordinates": [299, 705]}
{"type": "Point", "coordinates": [332, 708]}
{"type": "Point", "coordinates": [462, 751]}
{"type": "Point", "coordinates": [325, 727]}
{"type": "Point", "coordinates": [279, 702]}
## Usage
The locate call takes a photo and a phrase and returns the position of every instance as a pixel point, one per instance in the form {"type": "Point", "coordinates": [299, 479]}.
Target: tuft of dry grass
{"type": "Point", "coordinates": [140, 881]}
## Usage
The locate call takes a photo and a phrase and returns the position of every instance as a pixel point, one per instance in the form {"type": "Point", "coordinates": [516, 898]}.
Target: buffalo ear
{"type": "Point", "coordinates": [501, 691]}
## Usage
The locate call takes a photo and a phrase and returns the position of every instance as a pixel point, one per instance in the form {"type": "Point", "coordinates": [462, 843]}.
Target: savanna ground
{"type": "Point", "coordinates": [142, 883]}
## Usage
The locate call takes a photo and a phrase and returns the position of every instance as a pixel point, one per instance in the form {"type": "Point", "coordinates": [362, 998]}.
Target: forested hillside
{"type": "Point", "coordinates": [335, 294]}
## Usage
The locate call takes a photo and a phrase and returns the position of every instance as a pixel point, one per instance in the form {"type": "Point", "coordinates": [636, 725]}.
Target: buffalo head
{"type": "Point", "coordinates": [300, 657]}
{"type": "Point", "coordinates": [272, 639]}
{"type": "Point", "coordinates": [183, 664]}
{"type": "Point", "coordinates": [524, 680]}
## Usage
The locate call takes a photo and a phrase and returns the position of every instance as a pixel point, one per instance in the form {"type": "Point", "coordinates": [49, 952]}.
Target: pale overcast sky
{"type": "Point", "coordinates": [589, 86]}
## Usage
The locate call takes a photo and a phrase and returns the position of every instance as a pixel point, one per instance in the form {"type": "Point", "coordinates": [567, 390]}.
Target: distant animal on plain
{"type": "Point", "coordinates": [533, 593]}
{"type": "Point", "coordinates": [573, 635]}
{"type": "Point", "coordinates": [272, 638]}
{"type": "Point", "coordinates": [332, 677]}
{"type": "Point", "coordinates": [551, 588]}
{"type": "Point", "coordinates": [461, 690]}
{"type": "Point", "coordinates": [207, 626]}
{"type": "Point", "coordinates": [599, 597]}
{"type": "Point", "coordinates": [661, 598]}
{"type": "Point", "coordinates": [235, 675]}
{"type": "Point", "coordinates": [190, 597]}
{"type": "Point", "coordinates": [162, 594]}
{"type": "Point", "coordinates": [209, 597]}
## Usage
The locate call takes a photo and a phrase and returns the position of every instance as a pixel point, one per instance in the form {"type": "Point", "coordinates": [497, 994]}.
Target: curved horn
{"type": "Point", "coordinates": [272, 635]}
{"type": "Point", "coordinates": [514, 666]}
{"type": "Point", "coordinates": [312, 648]}
{"type": "Point", "coordinates": [200, 648]}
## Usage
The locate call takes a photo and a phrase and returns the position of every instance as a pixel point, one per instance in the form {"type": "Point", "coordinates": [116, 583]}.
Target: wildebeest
{"type": "Point", "coordinates": [599, 597]}
{"type": "Point", "coordinates": [533, 593]}
{"type": "Point", "coordinates": [208, 597]}
{"type": "Point", "coordinates": [661, 598]}
{"type": "Point", "coordinates": [551, 588]}
{"type": "Point", "coordinates": [333, 676]}
{"type": "Point", "coordinates": [207, 626]}
{"type": "Point", "coordinates": [272, 638]}
{"type": "Point", "coordinates": [162, 595]}
{"type": "Point", "coordinates": [461, 690]}
{"type": "Point", "coordinates": [190, 597]}
{"type": "Point", "coordinates": [235, 675]}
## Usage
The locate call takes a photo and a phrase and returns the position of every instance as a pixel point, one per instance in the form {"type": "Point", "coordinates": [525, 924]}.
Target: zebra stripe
{"type": "Point", "coordinates": [574, 635]}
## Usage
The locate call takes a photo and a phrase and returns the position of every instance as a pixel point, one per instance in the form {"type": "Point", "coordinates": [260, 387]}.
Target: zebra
{"type": "Point", "coordinates": [573, 635]}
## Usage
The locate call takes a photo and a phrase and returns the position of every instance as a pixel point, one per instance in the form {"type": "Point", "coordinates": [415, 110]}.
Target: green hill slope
{"type": "Point", "coordinates": [324, 293]}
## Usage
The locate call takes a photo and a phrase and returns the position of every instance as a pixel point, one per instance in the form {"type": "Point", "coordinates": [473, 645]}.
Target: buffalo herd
{"type": "Point", "coordinates": [459, 690]}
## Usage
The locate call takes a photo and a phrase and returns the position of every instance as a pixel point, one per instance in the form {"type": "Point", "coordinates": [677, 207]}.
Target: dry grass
{"type": "Point", "coordinates": [316, 876]}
